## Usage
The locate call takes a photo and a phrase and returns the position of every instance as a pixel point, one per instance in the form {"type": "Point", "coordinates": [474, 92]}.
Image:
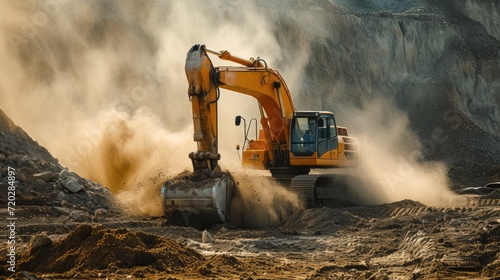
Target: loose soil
{"type": "Point", "coordinates": [404, 240]}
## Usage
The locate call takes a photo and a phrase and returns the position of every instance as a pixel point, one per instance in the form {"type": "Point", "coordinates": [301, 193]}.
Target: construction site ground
{"type": "Point", "coordinates": [102, 86]}
{"type": "Point", "coordinates": [401, 240]}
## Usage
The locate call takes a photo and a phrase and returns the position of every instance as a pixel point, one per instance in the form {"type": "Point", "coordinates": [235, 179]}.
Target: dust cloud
{"type": "Point", "coordinates": [134, 156]}
{"type": "Point", "coordinates": [260, 202]}
{"type": "Point", "coordinates": [101, 84]}
{"type": "Point", "coordinates": [392, 164]}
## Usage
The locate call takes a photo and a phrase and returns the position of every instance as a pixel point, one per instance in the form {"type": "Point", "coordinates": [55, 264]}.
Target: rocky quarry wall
{"type": "Point", "coordinates": [437, 61]}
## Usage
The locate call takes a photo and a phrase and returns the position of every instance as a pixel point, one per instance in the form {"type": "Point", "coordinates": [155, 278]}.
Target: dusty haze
{"type": "Point", "coordinates": [392, 164]}
{"type": "Point", "coordinates": [101, 84]}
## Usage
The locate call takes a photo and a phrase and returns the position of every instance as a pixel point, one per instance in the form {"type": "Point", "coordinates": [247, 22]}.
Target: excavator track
{"type": "Point", "coordinates": [304, 186]}
{"type": "Point", "coordinates": [326, 190]}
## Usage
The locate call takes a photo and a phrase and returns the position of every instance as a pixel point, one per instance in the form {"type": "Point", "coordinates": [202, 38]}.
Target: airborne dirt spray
{"type": "Point", "coordinates": [259, 201]}
{"type": "Point", "coordinates": [101, 84]}
{"type": "Point", "coordinates": [134, 156]}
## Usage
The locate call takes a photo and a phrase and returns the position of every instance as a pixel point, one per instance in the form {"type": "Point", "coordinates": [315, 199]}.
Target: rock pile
{"type": "Point", "coordinates": [41, 181]}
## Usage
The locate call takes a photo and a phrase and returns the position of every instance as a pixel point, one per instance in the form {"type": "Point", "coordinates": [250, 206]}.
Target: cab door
{"type": "Point", "coordinates": [327, 138]}
{"type": "Point", "coordinates": [333, 140]}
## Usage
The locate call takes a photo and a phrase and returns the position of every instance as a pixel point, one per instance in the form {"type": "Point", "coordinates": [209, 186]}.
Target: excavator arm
{"type": "Point", "coordinates": [203, 93]}
{"type": "Point", "coordinates": [255, 79]}
{"type": "Point", "coordinates": [210, 196]}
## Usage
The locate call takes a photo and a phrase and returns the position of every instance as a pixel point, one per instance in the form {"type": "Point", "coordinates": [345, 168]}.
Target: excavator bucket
{"type": "Point", "coordinates": [208, 198]}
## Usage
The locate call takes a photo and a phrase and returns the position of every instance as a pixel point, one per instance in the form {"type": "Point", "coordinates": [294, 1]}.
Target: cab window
{"type": "Point", "coordinates": [304, 136]}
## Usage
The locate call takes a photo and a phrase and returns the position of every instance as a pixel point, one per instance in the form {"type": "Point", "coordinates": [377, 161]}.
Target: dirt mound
{"type": "Point", "coordinates": [319, 219]}
{"type": "Point", "coordinates": [190, 179]}
{"type": "Point", "coordinates": [91, 248]}
{"type": "Point", "coordinates": [328, 220]}
{"type": "Point", "coordinates": [406, 203]}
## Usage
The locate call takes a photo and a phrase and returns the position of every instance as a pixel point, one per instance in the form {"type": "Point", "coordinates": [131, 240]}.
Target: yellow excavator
{"type": "Point", "coordinates": [289, 144]}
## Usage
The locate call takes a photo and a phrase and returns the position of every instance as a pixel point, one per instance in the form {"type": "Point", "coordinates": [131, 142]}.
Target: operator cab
{"type": "Point", "coordinates": [313, 133]}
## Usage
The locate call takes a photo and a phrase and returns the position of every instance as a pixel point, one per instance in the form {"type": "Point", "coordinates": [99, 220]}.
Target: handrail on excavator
{"type": "Point", "coordinates": [225, 55]}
